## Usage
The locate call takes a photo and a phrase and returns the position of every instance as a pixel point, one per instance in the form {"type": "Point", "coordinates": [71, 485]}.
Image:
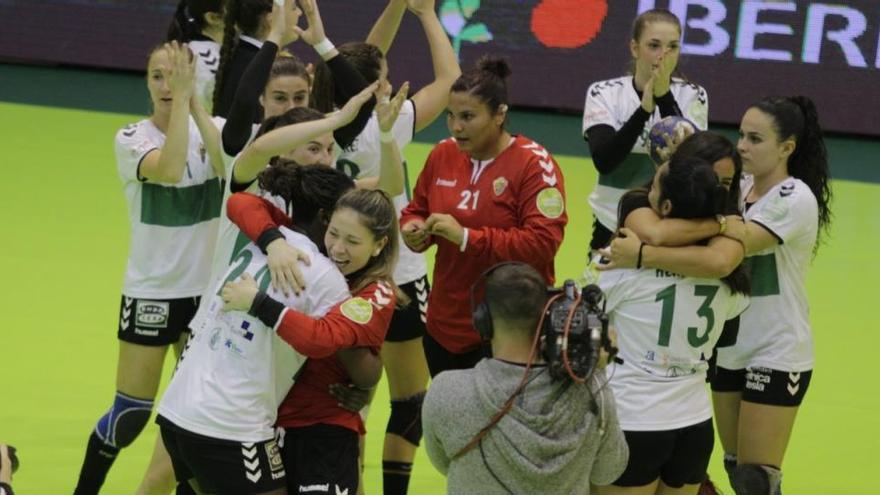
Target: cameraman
{"type": "Point", "coordinates": [6, 468]}
{"type": "Point", "coordinates": [558, 436]}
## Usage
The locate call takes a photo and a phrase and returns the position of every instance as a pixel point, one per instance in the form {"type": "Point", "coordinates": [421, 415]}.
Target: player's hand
{"type": "Point", "coordinates": [665, 67]}
{"type": "Point", "coordinates": [314, 33]}
{"type": "Point", "coordinates": [420, 7]}
{"type": "Point", "coordinates": [648, 93]}
{"type": "Point", "coordinates": [623, 251]}
{"type": "Point", "coordinates": [445, 226]}
{"type": "Point", "coordinates": [351, 108]}
{"type": "Point", "coordinates": [282, 23]}
{"type": "Point", "coordinates": [181, 80]}
{"type": "Point", "coordinates": [387, 109]}
{"type": "Point", "coordinates": [350, 397]}
{"type": "Point", "coordinates": [682, 132]}
{"type": "Point", "coordinates": [239, 295]}
{"type": "Point", "coordinates": [283, 263]}
{"type": "Point", "coordinates": [415, 235]}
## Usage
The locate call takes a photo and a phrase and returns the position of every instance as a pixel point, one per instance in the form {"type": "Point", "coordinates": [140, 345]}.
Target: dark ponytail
{"type": "Point", "coordinates": [796, 118]}
{"type": "Point", "coordinates": [189, 19]}
{"type": "Point", "coordinates": [488, 81]}
{"type": "Point", "coordinates": [247, 16]}
{"type": "Point", "coordinates": [306, 189]}
{"type": "Point", "coordinates": [713, 147]}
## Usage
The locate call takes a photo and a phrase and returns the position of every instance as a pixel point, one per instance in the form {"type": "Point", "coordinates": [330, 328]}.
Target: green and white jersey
{"type": "Point", "coordinates": [612, 102]}
{"type": "Point", "coordinates": [173, 226]}
{"type": "Point", "coordinates": [666, 328]}
{"type": "Point", "coordinates": [361, 160]}
{"type": "Point", "coordinates": [235, 370]}
{"type": "Point", "coordinates": [775, 332]}
{"type": "Point", "coordinates": [207, 53]}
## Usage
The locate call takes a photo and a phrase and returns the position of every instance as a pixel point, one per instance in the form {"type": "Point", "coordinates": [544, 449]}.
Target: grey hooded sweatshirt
{"type": "Point", "coordinates": [550, 441]}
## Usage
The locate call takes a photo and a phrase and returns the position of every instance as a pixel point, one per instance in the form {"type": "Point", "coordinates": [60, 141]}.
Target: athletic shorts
{"type": "Point", "coordinates": [408, 322]}
{"type": "Point", "coordinates": [678, 457]}
{"type": "Point", "coordinates": [155, 322]}
{"type": "Point", "coordinates": [321, 459]}
{"type": "Point", "coordinates": [440, 359]}
{"type": "Point", "coordinates": [223, 466]}
{"type": "Point", "coordinates": [764, 385]}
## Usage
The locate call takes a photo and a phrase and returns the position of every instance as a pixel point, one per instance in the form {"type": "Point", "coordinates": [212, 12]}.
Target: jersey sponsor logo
{"type": "Point", "coordinates": [152, 314]}
{"type": "Point", "coordinates": [758, 378]}
{"type": "Point", "coordinates": [315, 488]}
{"type": "Point", "coordinates": [152, 332]}
{"type": "Point", "coordinates": [215, 339]}
{"type": "Point", "coordinates": [446, 183]}
{"type": "Point", "coordinates": [358, 310]}
{"type": "Point", "coordinates": [550, 203]}
{"type": "Point", "coordinates": [499, 185]}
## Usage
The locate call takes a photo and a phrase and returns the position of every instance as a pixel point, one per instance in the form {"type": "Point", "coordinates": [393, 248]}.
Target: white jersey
{"type": "Point", "coordinates": [230, 240]}
{"type": "Point", "coordinates": [173, 226]}
{"type": "Point", "coordinates": [775, 331]}
{"type": "Point", "coordinates": [666, 328]}
{"type": "Point", "coordinates": [362, 160]}
{"type": "Point", "coordinates": [612, 102]}
{"type": "Point", "coordinates": [207, 53]}
{"type": "Point", "coordinates": [236, 371]}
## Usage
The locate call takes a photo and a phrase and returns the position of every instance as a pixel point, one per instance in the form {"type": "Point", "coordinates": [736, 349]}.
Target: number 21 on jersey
{"type": "Point", "coordinates": [468, 200]}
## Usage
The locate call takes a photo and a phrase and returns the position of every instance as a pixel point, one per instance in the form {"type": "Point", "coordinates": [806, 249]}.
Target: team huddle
{"type": "Point", "coordinates": [278, 251]}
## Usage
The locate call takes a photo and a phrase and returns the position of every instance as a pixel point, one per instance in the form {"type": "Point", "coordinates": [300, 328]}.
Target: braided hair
{"type": "Point", "coordinates": [306, 189]}
{"type": "Point", "coordinates": [247, 16]}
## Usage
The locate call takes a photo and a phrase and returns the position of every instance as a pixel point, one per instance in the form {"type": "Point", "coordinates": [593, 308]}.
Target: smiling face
{"type": "Point", "coordinates": [475, 128]}
{"type": "Point", "coordinates": [283, 93]}
{"type": "Point", "coordinates": [657, 38]}
{"type": "Point", "coordinates": [350, 244]}
{"type": "Point", "coordinates": [318, 151]}
{"type": "Point", "coordinates": [759, 144]}
{"type": "Point", "coordinates": [158, 71]}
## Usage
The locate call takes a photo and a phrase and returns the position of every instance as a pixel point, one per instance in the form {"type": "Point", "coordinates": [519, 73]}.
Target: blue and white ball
{"type": "Point", "coordinates": [677, 128]}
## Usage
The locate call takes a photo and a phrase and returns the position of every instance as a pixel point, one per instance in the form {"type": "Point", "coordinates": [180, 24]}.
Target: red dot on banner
{"type": "Point", "coordinates": [568, 23]}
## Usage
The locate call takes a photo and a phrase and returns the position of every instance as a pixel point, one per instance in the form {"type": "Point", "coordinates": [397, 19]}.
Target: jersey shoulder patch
{"type": "Point", "coordinates": [550, 202]}
{"type": "Point", "coordinates": [358, 310]}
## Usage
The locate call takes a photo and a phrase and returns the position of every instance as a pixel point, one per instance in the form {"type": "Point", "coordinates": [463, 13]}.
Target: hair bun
{"type": "Point", "coordinates": [494, 65]}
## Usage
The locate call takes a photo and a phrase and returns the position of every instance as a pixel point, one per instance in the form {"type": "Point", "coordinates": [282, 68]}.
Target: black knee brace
{"type": "Point", "coordinates": [124, 421]}
{"type": "Point", "coordinates": [406, 418]}
{"type": "Point", "coordinates": [756, 479]}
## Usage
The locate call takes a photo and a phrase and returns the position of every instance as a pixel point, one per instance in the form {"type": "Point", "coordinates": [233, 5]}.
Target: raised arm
{"type": "Point", "coordinates": [256, 156]}
{"type": "Point", "coordinates": [385, 29]}
{"type": "Point", "coordinates": [431, 100]}
{"type": "Point", "coordinates": [246, 103]}
{"type": "Point", "coordinates": [169, 162]}
{"type": "Point", "coordinates": [390, 178]}
{"type": "Point", "coordinates": [210, 135]}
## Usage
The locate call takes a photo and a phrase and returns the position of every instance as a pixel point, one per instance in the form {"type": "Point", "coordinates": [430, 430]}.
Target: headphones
{"type": "Point", "coordinates": [481, 315]}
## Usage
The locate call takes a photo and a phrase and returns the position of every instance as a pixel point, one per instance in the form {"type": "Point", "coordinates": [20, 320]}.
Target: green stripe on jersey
{"type": "Point", "coordinates": [765, 276]}
{"type": "Point", "coordinates": [636, 170]}
{"type": "Point", "coordinates": [241, 241]}
{"type": "Point", "coordinates": [180, 206]}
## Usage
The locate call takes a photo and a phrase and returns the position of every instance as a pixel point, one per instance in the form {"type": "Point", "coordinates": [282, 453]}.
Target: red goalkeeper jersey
{"type": "Point", "coordinates": [513, 209]}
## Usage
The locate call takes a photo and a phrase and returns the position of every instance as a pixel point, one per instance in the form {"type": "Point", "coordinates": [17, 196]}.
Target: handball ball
{"type": "Point", "coordinates": [677, 128]}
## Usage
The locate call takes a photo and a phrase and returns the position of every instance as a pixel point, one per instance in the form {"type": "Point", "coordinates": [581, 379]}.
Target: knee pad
{"type": "Point", "coordinates": [124, 421]}
{"type": "Point", "coordinates": [406, 418]}
{"type": "Point", "coordinates": [756, 479]}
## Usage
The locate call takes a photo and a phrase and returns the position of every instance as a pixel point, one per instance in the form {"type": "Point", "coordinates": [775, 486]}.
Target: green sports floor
{"type": "Point", "coordinates": [65, 241]}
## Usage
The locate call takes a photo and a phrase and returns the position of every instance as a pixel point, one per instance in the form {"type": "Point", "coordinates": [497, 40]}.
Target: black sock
{"type": "Point", "coordinates": [395, 477]}
{"type": "Point", "coordinates": [99, 458]}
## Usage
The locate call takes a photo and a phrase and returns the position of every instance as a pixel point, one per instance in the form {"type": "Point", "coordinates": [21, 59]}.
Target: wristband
{"type": "Point", "coordinates": [324, 47]}
{"type": "Point", "coordinates": [386, 136]}
{"type": "Point", "coordinates": [639, 261]}
{"type": "Point", "coordinates": [722, 223]}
